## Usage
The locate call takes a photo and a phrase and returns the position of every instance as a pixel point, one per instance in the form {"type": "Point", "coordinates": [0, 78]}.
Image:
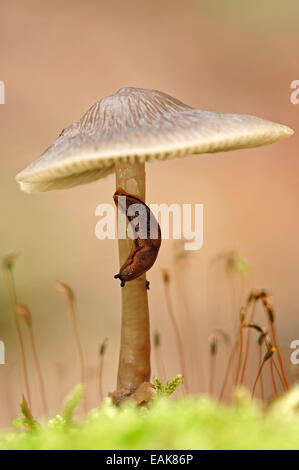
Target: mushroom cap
{"type": "Point", "coordinates": [136, 124]}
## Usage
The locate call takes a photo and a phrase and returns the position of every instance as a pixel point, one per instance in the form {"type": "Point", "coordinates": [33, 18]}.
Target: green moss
{"type": "Point", "coordinates": [170, 386]}
{"type": "Point", "coordinates": [185, 423]}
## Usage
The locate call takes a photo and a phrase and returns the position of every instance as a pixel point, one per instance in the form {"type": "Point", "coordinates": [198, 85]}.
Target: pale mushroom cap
{"type": "Point", "coordinates": [140, 125]}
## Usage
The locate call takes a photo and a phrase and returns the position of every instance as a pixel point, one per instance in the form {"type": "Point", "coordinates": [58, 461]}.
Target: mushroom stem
{"type": "Point", "coordinates": [134, 358]}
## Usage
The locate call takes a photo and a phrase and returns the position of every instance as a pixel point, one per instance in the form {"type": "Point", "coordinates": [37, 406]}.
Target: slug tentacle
{"type": "Point", "coordinates": [147, 242]}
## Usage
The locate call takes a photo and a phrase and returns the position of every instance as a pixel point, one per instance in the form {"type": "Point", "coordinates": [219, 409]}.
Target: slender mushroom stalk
{"type": "Point", "coordinates": [118, 134]}
{"type": "Point", "coordinates": [134, 358]}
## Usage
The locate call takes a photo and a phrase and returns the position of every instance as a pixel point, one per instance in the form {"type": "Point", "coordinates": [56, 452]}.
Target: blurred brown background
{"type": "Point", "coordinates": [57, 58]}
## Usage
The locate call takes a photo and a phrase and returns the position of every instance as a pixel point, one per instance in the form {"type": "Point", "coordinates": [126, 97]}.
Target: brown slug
{"type": "Point", "coordinates": [146, 245]}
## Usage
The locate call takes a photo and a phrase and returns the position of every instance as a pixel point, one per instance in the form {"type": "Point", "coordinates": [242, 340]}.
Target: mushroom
{"type": "Point", "coordinates": [119, 134]}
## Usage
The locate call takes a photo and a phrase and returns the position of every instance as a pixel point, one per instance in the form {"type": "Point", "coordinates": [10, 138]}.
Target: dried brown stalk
{"type": "Point", "coordinates": [213, 353]}
{"type": "Point", "coordinates": [158, 356]}
{"type": "Point", "coordinates": [102, 352]}
{"type": "Point", "coordinates": [243, 313]}
{"type": "Point", "coordinates": [166, 281]}
{"type": "Point", "coordinates": [247, 348]}
{"type": "Point", "coordinates": [271, 319]}
{"type": "Point", "coordinates": [24, 312]}
{"type": "Point", "coordinates": [267, 356]}
{"type": "Point", "coordinates": [8, 264]}
{"type": "Point", "coordinates": [66, 290]}
{"type": "Point", "coordinates": [229, 368]}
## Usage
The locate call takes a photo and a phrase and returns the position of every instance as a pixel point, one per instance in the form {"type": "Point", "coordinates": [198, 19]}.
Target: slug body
{"type": "Point", "coordinates": [146, 245]}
